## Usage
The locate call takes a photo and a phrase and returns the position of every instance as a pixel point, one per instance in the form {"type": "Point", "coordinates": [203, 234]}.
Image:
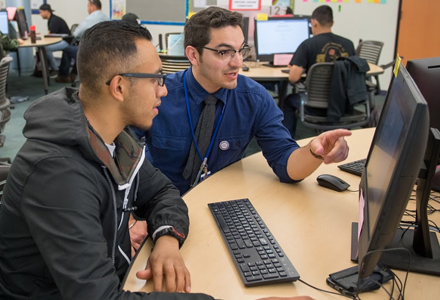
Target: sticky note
{"type": "Point", "coordinates": [262, 17]}
{"type": "Point", "coordinates": [397, 65]}
{"type": "Point", "coordinates": [190, 14]}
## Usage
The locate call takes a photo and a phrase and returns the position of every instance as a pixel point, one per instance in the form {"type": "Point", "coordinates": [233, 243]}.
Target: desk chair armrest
{"type": "Point", "coordinates": [299, 87]}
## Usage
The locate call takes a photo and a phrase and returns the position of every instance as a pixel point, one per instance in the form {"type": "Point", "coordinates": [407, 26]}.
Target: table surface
{"type": "Point", "coordinates": [45, 41]}
{"type": "Point", "coordinates": [258, 71]}
{"type": "Point", "coordinates": [311, 223]}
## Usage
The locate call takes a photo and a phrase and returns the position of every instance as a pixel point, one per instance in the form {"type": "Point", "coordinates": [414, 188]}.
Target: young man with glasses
{"type": "Point", "coordinates": [215, 46]}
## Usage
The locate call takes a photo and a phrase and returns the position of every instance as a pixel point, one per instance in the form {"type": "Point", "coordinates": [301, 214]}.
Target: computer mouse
{"type": "Point", "coordinates": [244, 68]}
{"type": "Point", "coordinates": [332, 182]}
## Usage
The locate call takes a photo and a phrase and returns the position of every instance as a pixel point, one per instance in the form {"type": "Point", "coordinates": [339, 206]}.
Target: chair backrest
{"type": "Point", "coordinates": [318, 84]}
{"type": "Point", "coordinates": [73, 41]}
{"type": "Point", "coordinates": [370, 50]}
{"type": "Point", "coordinates": [174, 63]}
{"type": "Point", "coordinates": [4, 70]}
{"type": "Point", "coordinates": [318, 88]}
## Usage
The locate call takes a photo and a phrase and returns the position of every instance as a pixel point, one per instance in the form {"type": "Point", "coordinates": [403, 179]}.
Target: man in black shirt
{"type": "Point", "coordinates": [54, 25]}
{"type": "Point", "coordinates": [324, 46]}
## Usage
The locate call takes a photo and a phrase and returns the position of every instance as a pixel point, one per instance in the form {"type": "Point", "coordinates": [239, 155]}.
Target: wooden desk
{"type": "Point", "coordinates": [262, 73]}
{"type": "Point", "coordinates": [41, 51]}
{"type": "Point", "coordinates": [311, 223]}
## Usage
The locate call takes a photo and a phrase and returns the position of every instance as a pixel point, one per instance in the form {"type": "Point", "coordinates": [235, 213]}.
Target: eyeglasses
{"type": "Point", "coordinates": [229, 54]}
{"type": "Point", "coordinates": [160, 77]}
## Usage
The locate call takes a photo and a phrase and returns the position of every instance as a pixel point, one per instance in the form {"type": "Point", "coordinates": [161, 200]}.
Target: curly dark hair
{"type": "Point", "coordinates": [198, 28]}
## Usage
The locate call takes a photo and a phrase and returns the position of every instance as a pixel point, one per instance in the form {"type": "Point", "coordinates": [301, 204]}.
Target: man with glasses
{"type": "Point", "coordinates": [215, 46]}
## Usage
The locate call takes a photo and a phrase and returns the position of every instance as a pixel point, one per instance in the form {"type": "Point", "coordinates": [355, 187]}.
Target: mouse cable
{"type": "Point", "coordinates": [352, 191]}
{"type": "Point", "coordinates": [329, 292]}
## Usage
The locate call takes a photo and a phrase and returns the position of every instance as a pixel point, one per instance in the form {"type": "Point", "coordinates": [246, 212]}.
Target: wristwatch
{"type": "Point", "coordinates": [169, 230]}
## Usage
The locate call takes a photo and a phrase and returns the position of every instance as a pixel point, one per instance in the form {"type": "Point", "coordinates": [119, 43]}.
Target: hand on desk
{"type": "Point", "coordinates": [165, 261]}
{"type": "Point", "coordinates": [331, 145]}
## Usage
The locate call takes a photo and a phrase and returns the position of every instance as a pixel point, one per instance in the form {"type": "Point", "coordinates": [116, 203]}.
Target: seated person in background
{"type": "Point", "coordinates": [69, 53]}
{"type": "Point", "coordinates": [55, 24]}
{"type": "Point", "coordinates": [324, 46]}
{"type": "Point", "coordinates": [70, 239]}
{"type": "Point", "coordinates": [131, 17]}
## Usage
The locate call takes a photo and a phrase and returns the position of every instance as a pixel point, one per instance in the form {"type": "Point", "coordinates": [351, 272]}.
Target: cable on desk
{"type": "Point", "coordinates": [325, 291]}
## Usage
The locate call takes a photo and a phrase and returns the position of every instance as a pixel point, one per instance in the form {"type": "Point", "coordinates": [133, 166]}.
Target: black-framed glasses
{"type": "Point", "coordinates": [228, 54]}
{"type": "Point", "coordinates": [160, 77]}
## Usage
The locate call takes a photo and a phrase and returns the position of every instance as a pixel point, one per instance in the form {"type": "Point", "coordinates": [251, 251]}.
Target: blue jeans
{"type": "Point", "coordinates": [69, 53]}
{"type": "Point", "coordinates": [292, 104]}
{"type": "Point", "coordinates": [49, 52]}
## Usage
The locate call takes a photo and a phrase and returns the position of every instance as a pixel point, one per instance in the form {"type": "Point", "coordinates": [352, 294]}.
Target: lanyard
{"type": "Point", "coordinates": [203, 159]}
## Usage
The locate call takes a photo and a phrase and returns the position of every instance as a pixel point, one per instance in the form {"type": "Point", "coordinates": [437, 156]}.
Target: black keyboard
{"type": "Point", "coordinates": [354, 167]}
{"type": "Point", "coordinates": [256, 254]}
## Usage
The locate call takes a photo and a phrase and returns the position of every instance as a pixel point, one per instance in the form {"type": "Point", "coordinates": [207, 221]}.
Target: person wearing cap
{"type": "Point", "coordinates": [131, 17]}
{"type": "Point", "coordinates": [56, 25]}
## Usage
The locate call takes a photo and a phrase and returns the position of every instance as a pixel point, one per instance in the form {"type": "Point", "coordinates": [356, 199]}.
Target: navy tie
{"type": "Point", "coordinates": [203, 134]}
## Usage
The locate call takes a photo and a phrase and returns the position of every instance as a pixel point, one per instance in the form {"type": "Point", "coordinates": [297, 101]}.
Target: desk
{"type": "Point", "coordinates": [311, 223]}
{"type": "Point", "coordinates": [40, 44]}
{"type": "Point", "coordinates": [264, 73]}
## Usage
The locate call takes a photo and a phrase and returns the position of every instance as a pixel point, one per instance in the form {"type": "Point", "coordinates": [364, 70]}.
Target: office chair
{"type": "Point", "coordinates": [370, 51]}
{"type": "Point", "coordinates": [316, 94]}
{"type": "Point", "coordinates": [5, 113]}
{"type": "Point", "coordinates": [174, 63]}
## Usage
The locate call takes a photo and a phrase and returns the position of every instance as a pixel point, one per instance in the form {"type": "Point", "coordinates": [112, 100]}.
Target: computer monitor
{"type": "Point", "coordinates": [279, 35]}
{"type": "Point", "coordinates": [23, 27]}
{"type": "Point", "coordinates": [246, 28]}
{"type": "Point", "coordinates": [426, 74]}
{"type": "Point", "coordinates": [4, 22]}
{"type": "Point", "coordinates": [393, 165]}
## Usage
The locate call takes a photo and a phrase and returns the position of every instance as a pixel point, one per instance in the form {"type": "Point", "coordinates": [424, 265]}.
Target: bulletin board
{"type": "Point", "coordinates": [166, 12]}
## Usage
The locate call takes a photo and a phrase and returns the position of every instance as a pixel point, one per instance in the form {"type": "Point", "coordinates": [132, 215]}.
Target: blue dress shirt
{"type": "Point", "coordinates": [94, 18]}
{"type": "Point", "coordinates": [250, 111]}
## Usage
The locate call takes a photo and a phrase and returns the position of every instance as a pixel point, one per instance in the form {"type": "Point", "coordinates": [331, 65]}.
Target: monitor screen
{"type": "Point", "coordinates": [23, 27]}
{"type": "Point", "coordinates": [4, 23]}
{"type": "Point", "coordinates": [279, 35]}
{"type": "Point", "coordinates": [426, 74]}
{"type": "Point", "coordinates": [392, 167]}
{"type": "Point", "coordinates": [246, 28]}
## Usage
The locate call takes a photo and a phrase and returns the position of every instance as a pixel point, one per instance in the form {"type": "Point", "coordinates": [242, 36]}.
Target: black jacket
{"type": "Point", "coordinates": [347, 87]}
{"type": "Point", "coordinates": [63, 228]}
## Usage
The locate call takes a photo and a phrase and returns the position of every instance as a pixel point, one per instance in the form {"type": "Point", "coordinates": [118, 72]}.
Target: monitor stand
{"type": "Point", "coordinates": [400, 259]}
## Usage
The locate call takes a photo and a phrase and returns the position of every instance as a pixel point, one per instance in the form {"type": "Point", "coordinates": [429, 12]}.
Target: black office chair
{"type": "Point", "coordinates": [174, 63]}
{"type": "Point", "coordinates": [370, 51]}
{"type": "Point", "coordinates": [316, 94]}
{"type": "Point", "coordinates": [5, 113]}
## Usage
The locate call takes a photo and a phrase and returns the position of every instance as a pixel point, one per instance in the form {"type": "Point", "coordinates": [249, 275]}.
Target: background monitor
{"type": "Point", "coordinates": [426, 74]}
{"type": "Point", "coordinates": [279, 35]}
{"type": "Point", "coordinates": [392, 167]}
{"type": "Point", "coordinates": [23, 27]}
{"type": "Point", "coordinates": [246, 28]}
{"type": "Point", "coordinates": [4, 22]}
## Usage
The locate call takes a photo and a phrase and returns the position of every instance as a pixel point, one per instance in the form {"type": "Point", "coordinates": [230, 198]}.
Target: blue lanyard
{"type": "Point", "coordinates": [192, 127]}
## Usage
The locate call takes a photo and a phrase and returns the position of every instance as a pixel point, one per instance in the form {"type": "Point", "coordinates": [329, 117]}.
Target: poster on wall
{"type": "Point", "coordinates": [118, 9]}
{"type": "Point", "coordinates": [35, 6]}
{"type": "Point", "coordinates": [244, 4]}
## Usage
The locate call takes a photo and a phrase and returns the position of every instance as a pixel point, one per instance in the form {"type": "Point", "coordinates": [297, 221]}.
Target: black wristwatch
{"type": "Point", "coordinates": [172, 232]}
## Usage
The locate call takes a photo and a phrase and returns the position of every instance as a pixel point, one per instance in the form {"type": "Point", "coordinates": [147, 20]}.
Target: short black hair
{"type": "Point", "coordinates": [97, 3]}
{"type": "Point", "coordinates": [324, 15]}
{"type": "Point", "coordinates": [197, 32]}
{"type": "Point", "coordinates": [106, 49]}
